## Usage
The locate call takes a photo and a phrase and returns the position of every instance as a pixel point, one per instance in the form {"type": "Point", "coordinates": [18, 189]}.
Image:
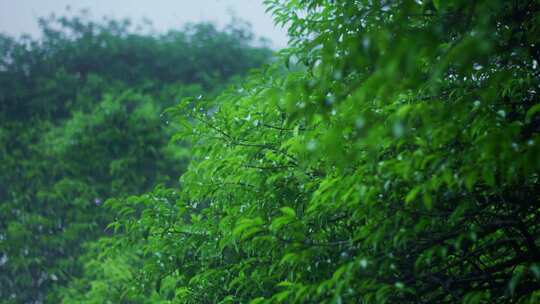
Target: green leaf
{"type": "Point", "coordinates": [531, 112]}
{"type": "Point", "coordinates": [436, 4]}
{"type": "Point", "coordinates": [288, 211]}
{"type": "Point", "coordinates": [258, 300]}
{"type": "Point", "coordinates": [411, 196]}
{"type": "Point", "coordinates": [428, 200]}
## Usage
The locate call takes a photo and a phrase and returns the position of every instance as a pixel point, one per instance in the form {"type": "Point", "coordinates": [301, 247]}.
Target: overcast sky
{"type": "Point", "coordinates": [20, 16]}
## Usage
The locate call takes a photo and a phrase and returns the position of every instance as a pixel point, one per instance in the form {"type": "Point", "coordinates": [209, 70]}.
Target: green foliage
{"type": "Point", "coordinates": [90, 58]}
{"type": "Point", "coordinates": [395, 160]}
{"type": "Point", "coordinates": [80, 122]}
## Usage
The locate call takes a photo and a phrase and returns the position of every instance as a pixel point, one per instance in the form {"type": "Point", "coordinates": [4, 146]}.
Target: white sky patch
{"type": "Point", "coordinates": [19, 17]}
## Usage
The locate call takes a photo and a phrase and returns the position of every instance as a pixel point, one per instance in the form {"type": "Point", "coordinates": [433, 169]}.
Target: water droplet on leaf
{"type": "Point", "coordinates": [311, 145]}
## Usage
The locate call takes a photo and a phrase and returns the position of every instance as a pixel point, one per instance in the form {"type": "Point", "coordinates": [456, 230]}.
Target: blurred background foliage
{"type": "Point", "coordinates": [81, 121]}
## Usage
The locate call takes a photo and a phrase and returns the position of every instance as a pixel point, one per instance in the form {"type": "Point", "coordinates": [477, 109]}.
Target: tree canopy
{"type": "Point", "coordinates": [390, 155]}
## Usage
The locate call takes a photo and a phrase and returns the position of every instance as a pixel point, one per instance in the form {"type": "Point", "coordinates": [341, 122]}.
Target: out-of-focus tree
{"type": "Point", "coordinates": [80, 122]}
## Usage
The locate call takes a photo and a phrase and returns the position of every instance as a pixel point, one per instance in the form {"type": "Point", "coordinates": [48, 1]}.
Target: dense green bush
{"type": "Point", "coordinates": [392, 156]}
{"type": "Point", "coordinates": [80, 122]}
{"type": "Point", "coordinates": [395, 159]}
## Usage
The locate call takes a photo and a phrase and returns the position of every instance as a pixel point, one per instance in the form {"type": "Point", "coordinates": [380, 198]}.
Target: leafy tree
{"type": "Point", "coordinates": [80, 122]}
{"type": "Point", "coordinates": [395, 159]}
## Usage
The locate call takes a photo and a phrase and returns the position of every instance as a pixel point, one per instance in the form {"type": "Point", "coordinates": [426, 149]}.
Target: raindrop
{"type": "Point", "coordinates": [477, 67]}
{"type": "Point", "coordinates": [330, 99]}
{"type": "Point", "coordinates": [398, 129]}
{"type": "Point", "coordinates": [365, 42]}
{"type": "Point", "coordinates": [3, 260]}
{"type": "Point", "coordinates": [311, 145]}
{"type": "Point", "coordinates": [363, 263]}
{"type": "Point", "coordinates": [360, 122]}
